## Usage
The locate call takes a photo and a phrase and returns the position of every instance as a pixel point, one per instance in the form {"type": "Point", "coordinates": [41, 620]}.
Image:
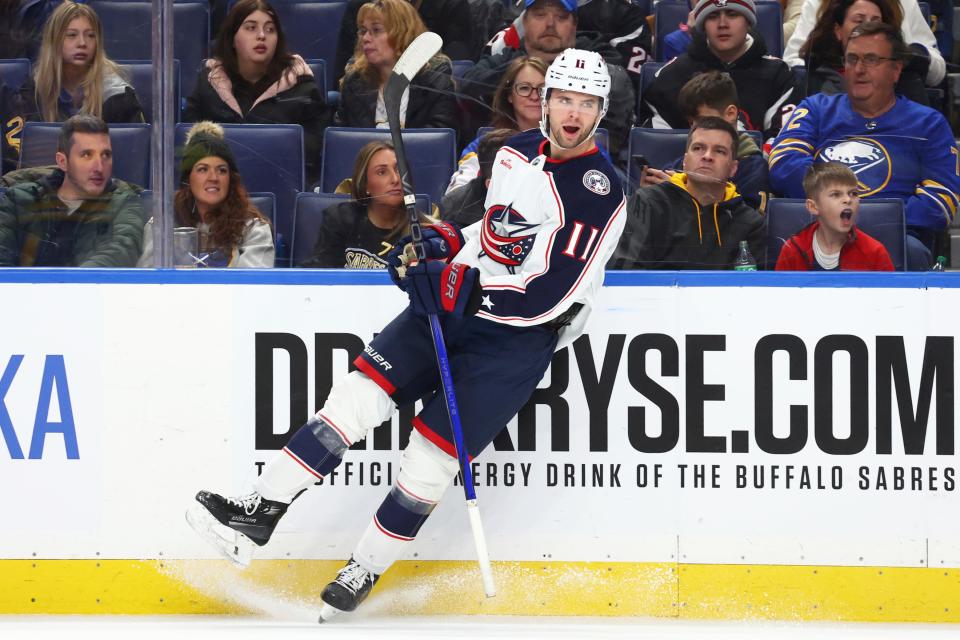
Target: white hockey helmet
{"type": "Point", "coordinates": [580, 71]}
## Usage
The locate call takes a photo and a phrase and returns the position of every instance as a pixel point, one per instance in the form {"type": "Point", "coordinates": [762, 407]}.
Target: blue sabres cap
{"type": "Point", "coordinates": [569, 5]}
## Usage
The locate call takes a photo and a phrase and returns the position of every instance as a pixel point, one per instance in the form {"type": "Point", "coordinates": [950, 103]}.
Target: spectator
{"type": "Point", "coordinates": [78, 216]}
{"type": "Point", "coordinates": [549, 28]}
{"type": "Point", "coordinates": [833, 242]}
{"type": "Point", "coordinates": [602, 23]}
{"type": "Point", "coordinates": [21, 22]}
{"type": "Point", "coordinates": [721, 41]}
{"type": "Point", "coordinates": [253, 79]}
{"type": "Point", "coordinates": [791, 16]}
{"type": "Point", "coordinates": [359, 233]}
{"type": "Point", "coordinates": [823, 51]}
{"type": "Point", "coordinates": [450, 19]}
{"type": "Point", "coordinates": [696, 219]}
{"type": "Point", "coordinates": [73, 75]}
{"type": "Point", "coordinates": [516, 106]}
{"type": "Point", "coordinates": [385, 29]}
{"type": "Point", "coordinates": [897, 148]}
{"type": "Point", "coordinates": [914, 29]}
{"type": "Point", "coordinates": [714, 94]}
{"type": "Point", "coordinates": [212, 198]}
{"type": "Point", "coordinates": [465, 204]}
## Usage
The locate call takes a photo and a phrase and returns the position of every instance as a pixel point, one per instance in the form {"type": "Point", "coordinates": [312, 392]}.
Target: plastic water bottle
{"type": "Point", "coordinates": [941, 264]}
{"type": "Point", "coordinates": [744, 261]}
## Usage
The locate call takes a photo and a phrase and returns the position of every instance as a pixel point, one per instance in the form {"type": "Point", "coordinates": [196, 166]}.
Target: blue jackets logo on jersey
{"type": "Point", "coordinates": [866, 157]}
{"type": "Point", "coordinates": [506, 236]}
{"type": "Point", "coordinates": [597, 182]}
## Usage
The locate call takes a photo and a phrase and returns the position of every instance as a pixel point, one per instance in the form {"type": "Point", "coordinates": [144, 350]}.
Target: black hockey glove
{"type": "Point", "coordinates": [437, 288]}
{"type": "Point", "coordinates": [441, 241]}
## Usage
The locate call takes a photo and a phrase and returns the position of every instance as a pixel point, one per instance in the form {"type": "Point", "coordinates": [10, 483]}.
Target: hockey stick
{"type": "Point", "coordinates": [424, 47]}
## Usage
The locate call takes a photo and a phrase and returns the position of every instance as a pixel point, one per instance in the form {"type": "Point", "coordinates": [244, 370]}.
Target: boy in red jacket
{"type": "Point", "coordinates": [832, 242]}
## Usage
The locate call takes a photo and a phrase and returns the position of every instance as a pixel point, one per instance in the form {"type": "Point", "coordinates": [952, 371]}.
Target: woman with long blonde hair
{"type": "Point", "coordinates": [74, 74]}
{"type": "Point", "coordinates": [385, 28]}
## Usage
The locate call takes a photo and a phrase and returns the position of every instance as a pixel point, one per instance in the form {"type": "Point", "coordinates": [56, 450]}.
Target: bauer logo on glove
{"type": "Point", "coordinates": [436, 288]}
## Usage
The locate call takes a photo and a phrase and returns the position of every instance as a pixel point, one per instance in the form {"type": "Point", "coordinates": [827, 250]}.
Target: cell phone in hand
{"type": "Point", "coordinates": [640, 162]}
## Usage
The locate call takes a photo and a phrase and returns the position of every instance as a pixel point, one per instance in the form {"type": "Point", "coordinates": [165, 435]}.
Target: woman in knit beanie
{"type": "Point", "coordinates": [212, 198]}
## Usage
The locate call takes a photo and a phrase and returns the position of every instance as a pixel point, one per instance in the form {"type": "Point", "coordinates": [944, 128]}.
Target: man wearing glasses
{"type": "Point", "coordinates": [896, 147]}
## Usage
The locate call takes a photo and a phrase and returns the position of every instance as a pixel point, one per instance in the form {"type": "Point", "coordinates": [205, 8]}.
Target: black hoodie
{"type": "Point", "coordinates": [765, 86]}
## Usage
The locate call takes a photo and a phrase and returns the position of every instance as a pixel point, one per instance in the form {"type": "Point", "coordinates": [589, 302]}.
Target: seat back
{"type": "Point", "coordinates": [668, 16]}
{"type": "Point", "coordinates": [308, 216]}
{"type": "Point", "coordinates": [770, 25]}
{"type": "Point", "coordinates": [128, 31]}
{"type": "Point", "coordinates": [648, 71]}
{"type": "Point", "coordinates": [431, 154]}
{"type": "Point", "coordinates": [880, 218]}
{"type": "Point", "coordinates": [130, 143]}
{"type": "Point", "coordinates": [140, 74]}
{"type": "Point", "coordinates": [14, 72]}
{"type": "Point", "coordinates": [319, 68]}
{"type": "Point", "coordinates": [270, 159]}
{"type": "Point", "coordinates": [312, 29]}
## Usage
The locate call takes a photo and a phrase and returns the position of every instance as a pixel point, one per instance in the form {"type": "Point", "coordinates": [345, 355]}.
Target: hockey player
{"type": "Point", "coordinates": [514, 286]}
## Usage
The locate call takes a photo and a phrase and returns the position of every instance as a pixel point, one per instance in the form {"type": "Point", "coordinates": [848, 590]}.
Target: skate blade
{"type": "Point", "coordinates": [232, 545]}
{"type": "Point", "coordinates": [328, 612]}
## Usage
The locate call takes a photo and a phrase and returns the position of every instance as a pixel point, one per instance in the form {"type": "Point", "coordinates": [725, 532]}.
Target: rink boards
{"type": "Point", "coordinates": [784, 449]}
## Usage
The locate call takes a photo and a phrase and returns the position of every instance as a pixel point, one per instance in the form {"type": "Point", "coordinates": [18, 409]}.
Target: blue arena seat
{"type": "Point", "coordinates": [14, 72]}
{"type": "Point", "coordinates": [130, 142]}
{"type": "Point", "coordinates": [311, 29]}
{"type": "Point", "coordinates": [661, 147]}
{"type": "Point", "coordinates": [319, 68]}
{"type": "Point", "coordinates": [308, 216]}
{"type": "Point", "coordinates": [880, 218]}
{"type": "Point", "coordinates": [128, 31]}
{"type": "Point", "coordinates": [270, 158]}
{"type": "Point", "coordinates": [431, 154]}
{"type": "Point", "coordinates": [648, 71]}
{"type": "Point", "coordinates": [140, 73]}
{"type": "Point", "coordinates": [460, 67]}
{"type": "Point", "coordinates": [669, 14]}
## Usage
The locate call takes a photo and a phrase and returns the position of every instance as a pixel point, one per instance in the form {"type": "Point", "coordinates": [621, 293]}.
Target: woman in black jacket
{"type": "Point", "coordinates": [253, 79]}
{"type": "Point", "coordinates": [385, 28]}
{"type": "Point", "coordinates": [359, 233]}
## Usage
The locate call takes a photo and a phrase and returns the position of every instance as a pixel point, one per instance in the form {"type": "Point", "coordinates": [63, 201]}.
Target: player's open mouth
{"type": "Point", "coordinates": [846, 214]}
{"type": "Point", "coordinates": [570, 130]}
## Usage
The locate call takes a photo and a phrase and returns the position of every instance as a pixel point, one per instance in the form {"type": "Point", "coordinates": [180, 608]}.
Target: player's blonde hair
{"type": "Point", "coordinates": [402, 23]}
{"type": "Point", "coordinates": [48, 72]}
{"type": "Point", "coordinates": [820, 175]}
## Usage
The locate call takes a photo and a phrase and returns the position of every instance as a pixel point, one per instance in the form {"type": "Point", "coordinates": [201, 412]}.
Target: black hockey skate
{"type": "Point", "coordinates": [347, 591]}
{"type": "Point", "coordinates": [234, 525]}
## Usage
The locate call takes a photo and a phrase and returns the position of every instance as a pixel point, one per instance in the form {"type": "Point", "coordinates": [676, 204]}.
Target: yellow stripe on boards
{"type": "Point", "coordinates": [454, 588]}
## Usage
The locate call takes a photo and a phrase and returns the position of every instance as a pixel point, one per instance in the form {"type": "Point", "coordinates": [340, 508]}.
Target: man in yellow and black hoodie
{"type": "Point", "coordinates": [696, 219]}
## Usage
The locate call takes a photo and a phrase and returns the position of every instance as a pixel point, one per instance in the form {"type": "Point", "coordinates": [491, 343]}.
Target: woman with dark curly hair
{"type": "Point", "coordinates": [360, 232]}
{"type": "Point", "coordinates": [252, 78]}
{"type": "Point", "coordinates": [385, 28]}
{"type": "Point", "coordinates": [212, 198]}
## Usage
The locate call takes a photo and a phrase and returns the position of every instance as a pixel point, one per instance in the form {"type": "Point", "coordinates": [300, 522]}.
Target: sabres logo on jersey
{"type": "Point", "coordinates": [506, 236]}
{"type": "Point", "coordinates": [866, 157]}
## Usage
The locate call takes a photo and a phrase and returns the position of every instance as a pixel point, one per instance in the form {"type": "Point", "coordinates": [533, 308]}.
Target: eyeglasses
{"type": "Point", "coordinates": [376, 31]}
{"type": "Point", "coordinates": [868, 60]}
{"type": "Point", "coordinates": [524, 89]}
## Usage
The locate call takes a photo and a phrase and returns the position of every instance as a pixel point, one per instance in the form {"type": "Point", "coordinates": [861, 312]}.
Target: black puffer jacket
{"type": "Point", "coordinates": [765, 86]}
{"type": "Point", "coordinates": [293, 99]}
{"type": "Point", "coordinates": [431, 104]}
{"type": "Point", "coordinates": [668, 229]}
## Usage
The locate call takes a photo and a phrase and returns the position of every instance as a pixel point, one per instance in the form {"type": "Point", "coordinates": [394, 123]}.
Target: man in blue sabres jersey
{"type": "Point", "coordinates": [509, 290]}
{"type": "Point", "coordinates": [896, 147]}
